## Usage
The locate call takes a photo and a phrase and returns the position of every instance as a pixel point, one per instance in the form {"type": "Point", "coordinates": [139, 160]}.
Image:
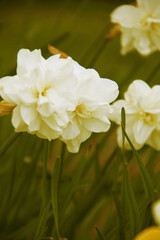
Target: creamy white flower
{"type": "Point", "coordinates": [156, 211]}
{"type": "Point", "coordinates": [140, 26]}
{"type": "Point", "coordinates": [58, 98]}
{"type": "Point", "coordinates": [38, 90]}
{"type": "Point", "coordinates": [92, 98]}
{"type": "Point", "coordinates": [142, 107]}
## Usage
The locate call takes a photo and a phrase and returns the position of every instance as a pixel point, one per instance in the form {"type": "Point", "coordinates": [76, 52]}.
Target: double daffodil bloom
{"type": "Point", "coordinates": [142, 107]}
{"type": "Point", "coordinates": [57, 98]}
{"type": "Point", "coordinates": [139, 25]}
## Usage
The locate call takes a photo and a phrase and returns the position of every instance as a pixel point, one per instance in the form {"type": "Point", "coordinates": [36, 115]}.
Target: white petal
{"type": "Point", "coordinates": [46, 132]}
{"type": "Point", "coordinates": [143, 44]}
{"type": "Point", "coordinates": [73, 145]}
{"type": "Point", "coordinates": [61, 118]}
{"type": "Point", "coordinates": [156, 211]}
{"type": "Point", "coordinates": [148, 5]}
{"type": "Point", "coordinates": [130, 134]}
{"type": "Point", "coordinates": [17, 120]}
{"type": "Point", "coordinates": [95, 125]}
{"type": "Point", "coordinates": [136, 89]}
{"type": "Point", "coordinates": [152, 102]}
{"type": "Point", "coordinates": [60, 75]}
{"type": "Point", "coordinates": [71, 131]}
{"type": "Point", "coordinates": [154, 140]}
{"type": "Point", "coordinates": [88, 80]}
{"type": "Point", "coordinates": [45, 108]}
{"type": "Point", "coordinates": [30, 117]}
{"type": "Point", "coordinates": [28, 96]}
{"type": "Point", "coordinates": [51, 122]}
{"type": "Point", "coordinates": [127, 16]}
{"type": "Point", "coordinates": [108, 90]}
{"type": "Point", "coordinates": [9, 87]}
{"type": "Point", "coordinates": [127, 39]}
{"type": "Point", "coordinates": [155, 34]}
{"type": "Point", "coordinates": [142, 131]}
{"type": "Point", "coordinates": [115, 114]}
{"type": "Point", "coordinates": [28, 61]}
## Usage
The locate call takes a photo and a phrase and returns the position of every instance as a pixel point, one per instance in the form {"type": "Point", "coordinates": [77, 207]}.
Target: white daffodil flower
{"type": "Point", "coordinates": [58, 98]}
{"type": "Point", "coordinates": [156, 211]}
{"type": "Point", "coordinates": [92, 98]}
{"type": "Point", "coordinates": [38, 90]}
{"type": "Point", "coordinates": [140, 26]}
{"type": "Point", "coordinates": [142, 107]}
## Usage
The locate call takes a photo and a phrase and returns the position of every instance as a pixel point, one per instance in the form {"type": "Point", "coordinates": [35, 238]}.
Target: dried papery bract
{"type": "Point", "coordinates": [6, 108]}
{"type": "Point", "coordinates": [55, 51]}
{"type": "Point", "coordinates": [114, 31]}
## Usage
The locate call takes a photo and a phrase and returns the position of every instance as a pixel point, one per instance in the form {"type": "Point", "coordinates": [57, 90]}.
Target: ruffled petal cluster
{"type": "Point", "coordinates": [140, 26]}
{"type": "Point", "coordinates": [142, 107]}
{"type": "Point", "coordinates": [58, 98]}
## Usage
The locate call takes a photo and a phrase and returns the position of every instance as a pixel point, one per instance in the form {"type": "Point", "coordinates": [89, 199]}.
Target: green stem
{"type": "Point", "coordinates": [9, 143]}
{"type": "Point", "coordinates": [44, 177]}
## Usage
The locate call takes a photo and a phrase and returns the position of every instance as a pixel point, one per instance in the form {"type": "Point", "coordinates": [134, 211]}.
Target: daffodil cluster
{"type": "Point", "coordinates": [142, 107]}
{"type": "Point", "coordinates": [140, 26]}
{"type": "Point", "coordinates": [58, 98]}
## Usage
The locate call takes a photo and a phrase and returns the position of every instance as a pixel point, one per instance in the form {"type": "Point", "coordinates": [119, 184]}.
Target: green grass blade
{"type": "Point", "coordinates": [8, 143]}
{"type": "Point", "coordinates": [54, 192]}
{"type": "Point", "coordinates": [99, 233]}
{"type": "Point", "coordinates": [22, 232]}
{"type": "Point", "coordinates": [75, 180]}
{"type": "Point", "coordinates": [45, 161]}
{"type": "Point", "coordinates": [42, 223]}
{"type": "Point", "coordinates": [120, 215]}
{"type": "Point", "coordinates": [129, 196]}
{"type": "Point", "coordinates": [144, 173]}
{"type": "Point", "coordinates": [44, 206]}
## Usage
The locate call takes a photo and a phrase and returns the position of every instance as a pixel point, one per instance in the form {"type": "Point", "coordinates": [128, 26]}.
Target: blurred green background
{"type": "Point", "coordinates": [87, 179]}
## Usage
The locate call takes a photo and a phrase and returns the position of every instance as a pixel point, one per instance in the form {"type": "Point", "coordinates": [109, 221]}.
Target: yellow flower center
{"type": "Point", "coordinates": [146, 117]}
{"type": "Point", "coordinates": [43, 93]}
{"type": "Point", "coordinates": [82, 111]}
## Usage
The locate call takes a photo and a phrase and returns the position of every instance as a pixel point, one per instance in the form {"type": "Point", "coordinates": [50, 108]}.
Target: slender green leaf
{"type": "Point", "coordinates": [45, 161]}
{"type": "Point", "coordinates": [23, 231]}
{"type": "Point", "coordinates": [99, 233]}
{"type": "Point", "coordinates": [54, 192]}
{"type": "Point", "coordinates": [8, 143]}
{"type": "Point", "coordinates": [144, 173]}
{"type": "Point", "coordinates": [129, 196]}
{"type": "Point", "coordinates": [120, 215]}
{"type": "Point", "coordinates": [42, 223]}
{"type": "Point", "coordinates": [75, 180]}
